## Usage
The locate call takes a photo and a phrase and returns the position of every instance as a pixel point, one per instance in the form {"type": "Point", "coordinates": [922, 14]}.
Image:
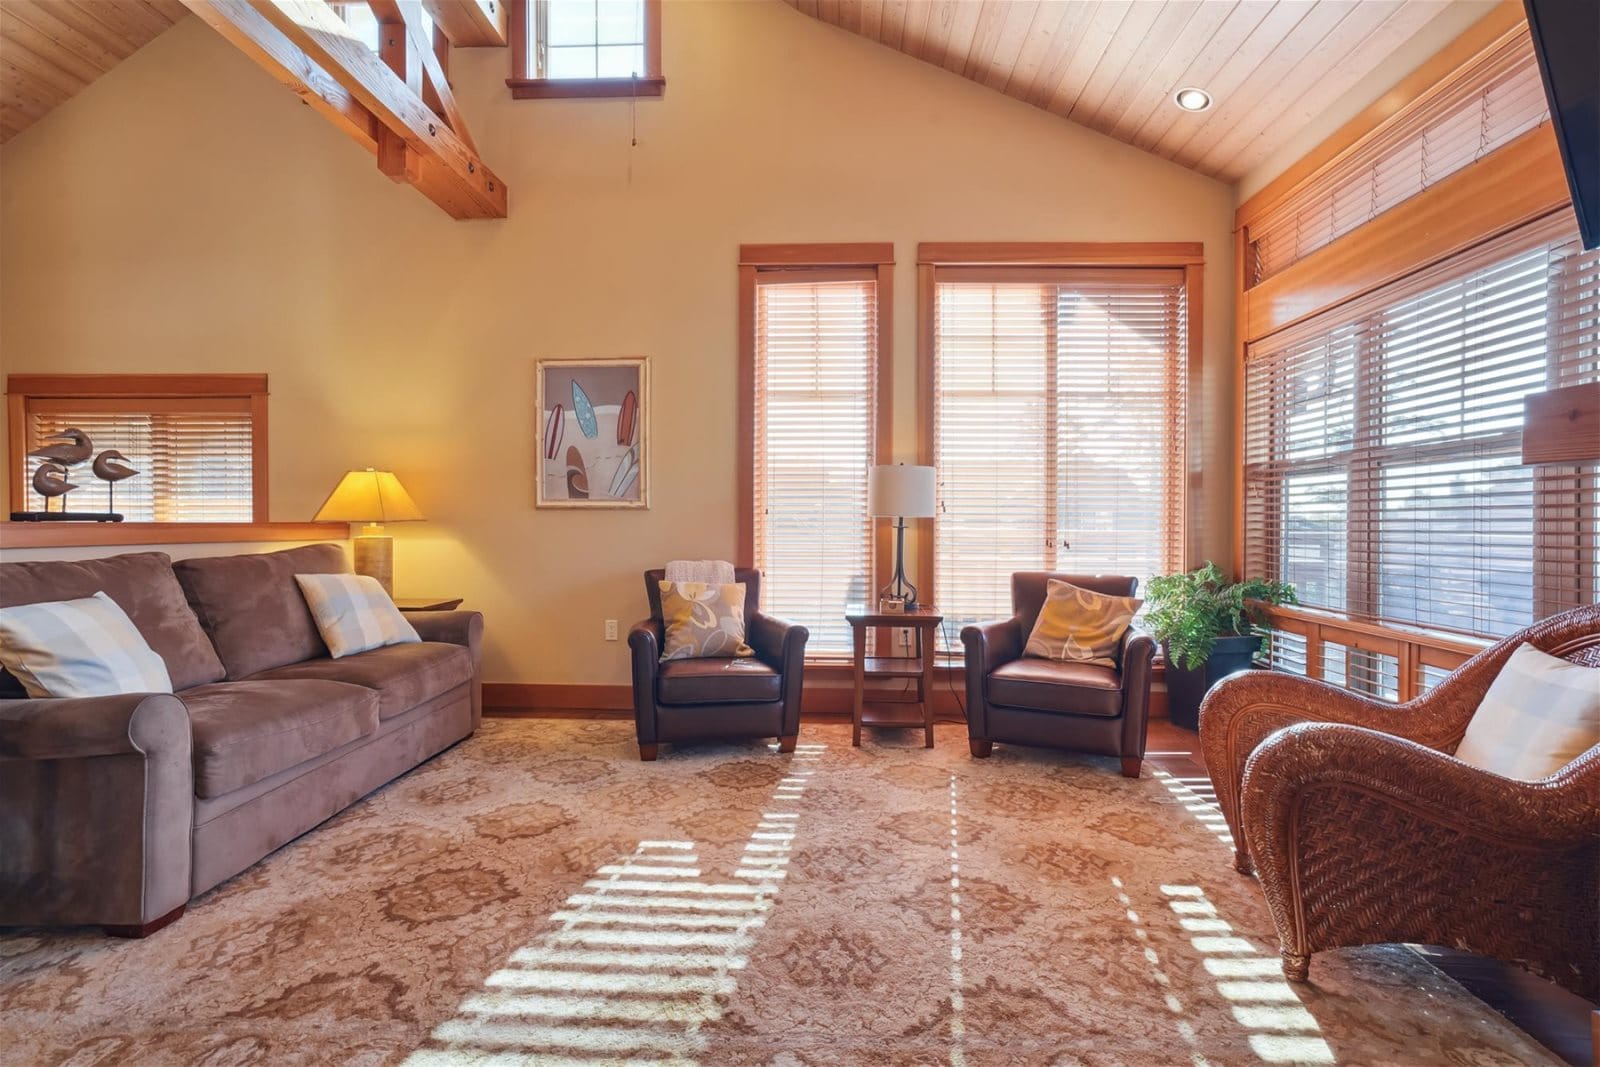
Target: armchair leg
{"type": "Point", "coordinates": [980, 749]}
{"type": "Point", "coordinates": [1242, 862]}
{"type": "Point", "coordinates": [1130, 766]}
{"type": "Point", "coordinates": [786, 744]}
{"type": "Point", "coordinates": [647, 752]}
{"type": "Point", "coordinates": [1296, 966]}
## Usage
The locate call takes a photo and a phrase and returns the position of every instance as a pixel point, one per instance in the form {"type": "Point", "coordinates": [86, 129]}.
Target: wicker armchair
{"type": "Point", "coordinates": [1366, 831]}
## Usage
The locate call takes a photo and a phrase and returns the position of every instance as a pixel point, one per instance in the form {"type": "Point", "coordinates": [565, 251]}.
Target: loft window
{"type": "Point", "coordinates": [577, 48]}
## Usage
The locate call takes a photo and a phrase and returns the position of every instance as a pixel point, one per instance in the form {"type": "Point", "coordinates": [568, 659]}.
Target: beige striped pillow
{"type": "Point", "coordinates": [1540, 713]}
{"type": "Point", "coordinates": [79, 648]}
{"type": "Point", "coordinates": [353, 613]}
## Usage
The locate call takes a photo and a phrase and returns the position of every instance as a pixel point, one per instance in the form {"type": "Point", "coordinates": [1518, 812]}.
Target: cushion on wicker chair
{"type": "Point", "coordinates": [1539, 715]}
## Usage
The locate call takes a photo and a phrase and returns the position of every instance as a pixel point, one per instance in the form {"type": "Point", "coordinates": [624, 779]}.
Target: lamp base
{"type": "Point", "coordinates": [375, 559]}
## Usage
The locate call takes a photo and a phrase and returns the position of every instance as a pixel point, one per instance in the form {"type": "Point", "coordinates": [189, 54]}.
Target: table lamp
{"type": "Point", "coordinates": [900, 492]}
{"type": "Point", "coordinates": [374, 498]}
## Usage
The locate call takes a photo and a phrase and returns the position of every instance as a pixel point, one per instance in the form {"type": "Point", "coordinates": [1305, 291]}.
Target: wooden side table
{"type": "Point", "coordinates": [908, 713]}
{"type": "Point", "coordinates": [423, 603]}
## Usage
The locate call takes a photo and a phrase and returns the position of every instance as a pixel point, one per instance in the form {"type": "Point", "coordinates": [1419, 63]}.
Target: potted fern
{"type": "Point", "coordinates": [1207, 631]}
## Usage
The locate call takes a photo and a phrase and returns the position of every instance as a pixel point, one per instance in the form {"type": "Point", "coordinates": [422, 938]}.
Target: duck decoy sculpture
{"type": "Point", "coordinates": [112, 467]}
{"type": "Point", "coordinates": [71, 446]}
{"type": "Point", "coordinates": [50, 480]}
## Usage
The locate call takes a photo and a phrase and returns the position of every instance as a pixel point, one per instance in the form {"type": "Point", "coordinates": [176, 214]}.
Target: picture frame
{"type": "Point", "coordinates": [592, 448]}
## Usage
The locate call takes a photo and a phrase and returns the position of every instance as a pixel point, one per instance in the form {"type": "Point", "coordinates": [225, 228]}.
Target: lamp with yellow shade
{"type": "Point", "coordinates": [371, 497]}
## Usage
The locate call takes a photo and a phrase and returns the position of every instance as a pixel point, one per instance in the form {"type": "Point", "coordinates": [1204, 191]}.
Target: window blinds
{"type": "Point", "coordinates": [195, 459]}
{"type": "Point", "coordinates": [1485, 105]}
{"type": "Point", "coordinates": [1383, 470]}
{"type": "Point", "coordinates": [1058, 428]}
{"type": "Point", "coordinates": [815, 411]}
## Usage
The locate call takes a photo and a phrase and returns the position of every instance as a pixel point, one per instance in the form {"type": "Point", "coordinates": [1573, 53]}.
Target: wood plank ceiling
{"type": "Point", "coordinates": [1113, 65]}
{"type": "Point", "coordinates": [50, 49]}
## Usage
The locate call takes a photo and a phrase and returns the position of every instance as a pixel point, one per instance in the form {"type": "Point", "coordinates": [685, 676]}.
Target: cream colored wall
{"type": "Point", "coordinates": [187, 213]}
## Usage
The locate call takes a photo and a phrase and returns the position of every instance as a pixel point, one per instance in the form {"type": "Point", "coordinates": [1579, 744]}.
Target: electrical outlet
{"type": "Point", "coordinates": [905, 639]}
{"type": "Point", "coordinates": [611, 629]}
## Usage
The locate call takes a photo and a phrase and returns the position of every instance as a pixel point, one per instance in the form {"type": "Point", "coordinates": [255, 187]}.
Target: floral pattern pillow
{"type": "Point", "coordinates": [1081, 626]}
{"type": "Point", "coordinates": [703, 621]}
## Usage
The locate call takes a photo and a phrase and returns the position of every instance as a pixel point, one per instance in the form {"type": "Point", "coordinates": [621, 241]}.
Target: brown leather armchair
{"type": "Point", "coordinates": [703, 699]}
{"type": "Point", "coordinates": [1017, 701]}
{"type": "Point", "coordinates": [1365, 830]}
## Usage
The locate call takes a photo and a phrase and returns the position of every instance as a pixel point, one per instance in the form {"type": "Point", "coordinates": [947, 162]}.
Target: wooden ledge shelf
{"type": "Point", "coordinates": [97, 534]}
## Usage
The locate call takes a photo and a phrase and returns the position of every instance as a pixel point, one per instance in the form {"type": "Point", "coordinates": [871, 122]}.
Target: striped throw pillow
{"type": "Point", "coordinates": [79, 648]}
{"type": "Point", "coordinates": [1541, 712]}
{"type": "Point", "coordinates": [353, 613]}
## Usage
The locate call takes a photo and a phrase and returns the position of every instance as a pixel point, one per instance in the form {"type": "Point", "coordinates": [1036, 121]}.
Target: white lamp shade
{"type": "Point", "coordinates": [901, 491]}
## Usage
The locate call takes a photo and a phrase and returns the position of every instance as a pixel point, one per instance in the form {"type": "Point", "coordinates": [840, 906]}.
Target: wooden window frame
{"type": "Point", "coordinates": [873, 256]}
{"type": "Point", "coordinates": [1187, 256]}
{"type": "Point", "coordinates": [525, 85]}
{"type": "Point", "coordinates": [169, 391]}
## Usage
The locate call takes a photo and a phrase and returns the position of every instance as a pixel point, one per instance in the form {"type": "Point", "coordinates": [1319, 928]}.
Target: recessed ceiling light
{"type": "Point", "coordinates": [1192, 99]}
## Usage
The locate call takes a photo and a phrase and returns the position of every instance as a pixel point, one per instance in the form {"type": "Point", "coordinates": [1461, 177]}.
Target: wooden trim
{"type": "Point", "coordinates": [260, 466]}
{"type": "Point", "coordinates": [1487, 32]}
{"type": "Point", "coordinates": [138, 385]}
{"type": "Point", "coordinates": [846, 254]}
{"type": "Point", "coordinates": [1191, 508]}
{"type": "Point", "coordinates": [1515, 185]}
{"type": "Point", "coordinates": [927, 399]}
{"type": "Point", "coordinates": [525, 84]}
{"type": "Point", "coordinates": [1064, 254]}
{"type": "Point", "coordinates": [587, 88]}
{"type": "Point", "coordinates": [1382, 635]}
{"type": "Point", "coordinates": [744, 447]}
{"type": "Point", "coordinates": [883, 430]}
{"type": "Point", "coordinates": [586, 697]}
{"type": "Point", "coordinates": [97, 534]}
{"type": "Point", "coordinates": [1241, 307]}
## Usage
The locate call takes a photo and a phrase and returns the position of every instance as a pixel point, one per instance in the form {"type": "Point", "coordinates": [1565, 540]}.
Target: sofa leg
{"type": "Point", "coordinates": [786, 744]}
{"type": "Point", "coordinates": [1130, 766]}
{"type": "Point", "coordinates": [647, 752]}
{"type": "Point", "coordinates": [980, 749]}
{"type": "Point", "coordinates": [1296, 966]}
{"type": "Point", "coordinates": [1242, 862]}
{"type": "Point", "coordinates": [137, 930]}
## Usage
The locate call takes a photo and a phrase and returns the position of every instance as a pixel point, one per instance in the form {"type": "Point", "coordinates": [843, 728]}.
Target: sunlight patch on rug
{"type": "Point", "coordinates": [639, 961]}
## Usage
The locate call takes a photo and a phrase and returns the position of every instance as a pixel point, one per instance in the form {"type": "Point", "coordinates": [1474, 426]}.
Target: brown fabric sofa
{"type": "Point", "coordinates": [118, 810]}
{"type": "Point", "coordinates": [1076, 706]}
{"type": "Point", "coordinates": [705, 699]}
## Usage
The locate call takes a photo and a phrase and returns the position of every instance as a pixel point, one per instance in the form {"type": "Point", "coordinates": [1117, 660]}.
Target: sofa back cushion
{"type": "Point", "coordinates": [253, 608]}
{"type": "Point", "coordinates": [143, 585]}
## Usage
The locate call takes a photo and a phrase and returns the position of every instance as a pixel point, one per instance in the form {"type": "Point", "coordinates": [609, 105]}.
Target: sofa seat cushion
{"type": "Point", "coordinates": [1065, 688]}
{"type": "Point", "coordinates": [717, 681]}
{"type": "Point", "coordinates": [247, 731]}
{"type": "Point", "coordinates": [253, 608]}
{"type": "Point", "coordinates": [402, 675]}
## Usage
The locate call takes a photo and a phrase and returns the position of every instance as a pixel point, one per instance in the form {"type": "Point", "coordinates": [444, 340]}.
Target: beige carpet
{"type": "Point", "coordinates": [538, 895]}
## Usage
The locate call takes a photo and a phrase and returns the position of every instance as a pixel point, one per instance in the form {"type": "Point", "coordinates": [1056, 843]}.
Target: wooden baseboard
{"type": "Point", "coordinates": [518, 696]}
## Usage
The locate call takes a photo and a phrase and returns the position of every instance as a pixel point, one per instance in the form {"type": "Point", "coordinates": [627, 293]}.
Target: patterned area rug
{"type": "Point", "coordinates": [538, 895]}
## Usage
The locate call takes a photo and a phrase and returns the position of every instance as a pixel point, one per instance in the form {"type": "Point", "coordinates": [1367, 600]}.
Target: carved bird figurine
{"type": "Point", "coordinates": [111, 467]}
{"type": "Point", "coordinates": [51, 480]}
{"type": "Point", "coordinates": [71, 446]}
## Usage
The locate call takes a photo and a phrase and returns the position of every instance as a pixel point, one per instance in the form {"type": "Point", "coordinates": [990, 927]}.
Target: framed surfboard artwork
{"type": "Point", "coordinates": [594, 433]}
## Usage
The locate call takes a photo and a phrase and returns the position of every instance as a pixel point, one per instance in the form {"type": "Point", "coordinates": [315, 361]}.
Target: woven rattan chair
{"type": "Point", "coordinates": [1365, 830]}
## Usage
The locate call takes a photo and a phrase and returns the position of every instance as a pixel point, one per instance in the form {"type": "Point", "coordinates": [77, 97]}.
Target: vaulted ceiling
{"type": "Point", "coordinates": [1114, 65]}
{"type": "Point", "coordinates": [50, 49]}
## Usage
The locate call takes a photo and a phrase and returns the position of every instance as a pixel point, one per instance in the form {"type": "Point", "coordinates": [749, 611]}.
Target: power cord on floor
{"type": "Point", "coordinates": [944, 635]}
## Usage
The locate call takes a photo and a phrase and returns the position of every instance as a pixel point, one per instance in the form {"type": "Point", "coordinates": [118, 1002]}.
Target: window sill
{"type": "Point", "coordinates": [585, 88]}
{"type": "Point", "coordinates": [96, 534]}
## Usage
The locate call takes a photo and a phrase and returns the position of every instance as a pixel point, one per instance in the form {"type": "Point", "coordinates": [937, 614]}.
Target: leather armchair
{"type": "Point", "coordinates": [1076, 706]}
{"type": "Point", "coordinates": [704, 699]}
{"type": "Point", "coordinates": [1366, 830]}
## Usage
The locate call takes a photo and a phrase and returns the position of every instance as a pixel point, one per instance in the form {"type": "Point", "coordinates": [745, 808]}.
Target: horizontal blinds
{"type": "Point", "coordinates": [194, 466]}
{"type": "Point", "coordinates": [1058, 429]}
{"type": "Point", "coordinates": [815, 403]}
{"type": "Point", "coordinates": [1383, 471]}
{"type": "Point", "coordinates": [1484, 105]}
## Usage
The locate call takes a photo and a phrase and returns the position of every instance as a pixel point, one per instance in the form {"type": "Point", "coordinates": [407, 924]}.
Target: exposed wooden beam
{"type": "Point", "coordinates": [313, 27]}
{"type": "Point", "coordinates": [435, 83]}
{"type": "Point", "coordinates": [470, 23]}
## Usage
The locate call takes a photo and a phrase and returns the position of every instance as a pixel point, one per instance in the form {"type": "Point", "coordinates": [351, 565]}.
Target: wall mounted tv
{"type": "Point", "coordinates": [1566, 37]}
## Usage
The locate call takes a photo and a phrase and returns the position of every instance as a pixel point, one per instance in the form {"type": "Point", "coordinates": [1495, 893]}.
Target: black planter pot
{"type": "Point", "coordinates": [1187, 687]}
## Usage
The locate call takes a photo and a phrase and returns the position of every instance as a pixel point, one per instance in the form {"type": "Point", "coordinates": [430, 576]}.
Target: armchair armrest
{"type": "Point", "coordinates": [1246, 709]}
{"type": "Point", "coordinates": [987, 646]}
{"type": "Point", "coordinates": [644, 646]}
{"type": "Point", "coordinates": [782, 646]}
{"type": "Point", "coordinates": [463, 628]}
{"type": "Point", "coordinates": [1138, 657]}
{"type": "Point", "coordinates": [1361, 838]}
{"type": "Point", "coordinates": [96, 809]}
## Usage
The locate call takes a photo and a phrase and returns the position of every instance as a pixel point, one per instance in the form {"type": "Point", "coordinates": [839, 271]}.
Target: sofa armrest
{"type": "Point", "coordinates": [782, 646]}
{"type": "Point", "coordinates": [464, 628]}
{"type": "Point", "coordinates": [96, 810]}
{"type": "Point", "coordinates": [644, 647]}
{"type": "Point", "coordinates": [987, 645]}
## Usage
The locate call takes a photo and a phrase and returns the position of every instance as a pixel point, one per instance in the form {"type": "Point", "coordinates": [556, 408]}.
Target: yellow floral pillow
{"type": "Point", "coordinates": [1081, 626]}
{"type": "Point", "coordinates": [703, 621]}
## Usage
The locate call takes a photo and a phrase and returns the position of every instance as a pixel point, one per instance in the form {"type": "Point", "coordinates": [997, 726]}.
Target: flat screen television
{"type": "Point", "coordinates": [1566, 38]}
